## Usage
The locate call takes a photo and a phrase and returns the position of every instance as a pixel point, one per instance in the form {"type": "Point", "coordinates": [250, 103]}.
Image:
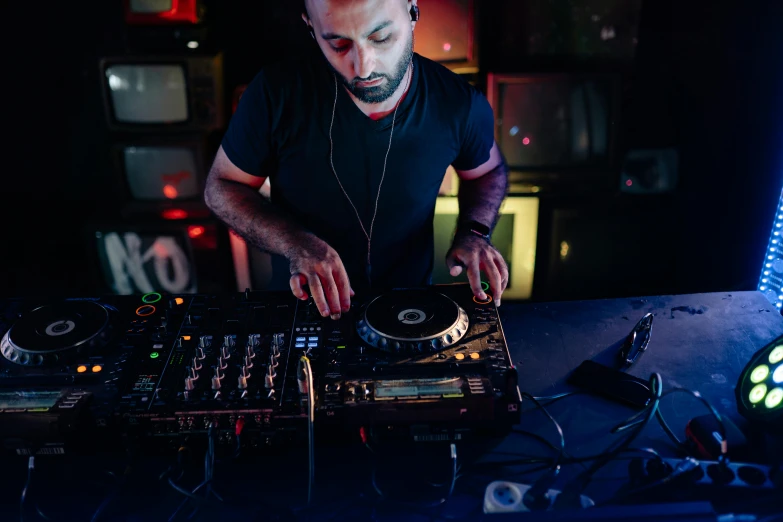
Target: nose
{"type": "Point", "coordinates": [364, 61]}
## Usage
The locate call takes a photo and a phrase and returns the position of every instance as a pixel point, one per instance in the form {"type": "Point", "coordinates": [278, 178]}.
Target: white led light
{"type": "Point", "coordinates": [762, 288]}
{"type": "Point", "coordinates": [193, 44]}
{"type": "Point", "coordinates": [766, 272]}
{"type": "Point", "coordinates": [770, 257]}
{"type": "Point", "coordinates": [772, 249]}
{"type": "Point", "coordinates": [778, 305]}
{"type": "Point", "coordinates": [777, 375]}
{"type": "Point", "coordinates": [780, 297]}
{"type": "Point", "coordinates": [764, 281]}
{"type": "Point", "coordinates": [768, 265]}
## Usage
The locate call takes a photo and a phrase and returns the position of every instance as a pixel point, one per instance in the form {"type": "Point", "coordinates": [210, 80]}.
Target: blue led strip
{"type": "Point", "coordinates": [771, 280]}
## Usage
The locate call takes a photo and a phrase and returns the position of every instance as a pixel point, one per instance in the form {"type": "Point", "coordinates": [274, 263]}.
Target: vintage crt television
{"type": "Point", "coordinates": [161, 168]}
{"type": "Point", "coordinates": [514, 237]}
{"type": "Point", "coordinates": [162, 12]}
{"type": "Point", "coordinates": [446, 33]}
{"type": "Point", "coordinates": [557, 129]}
{"type": "Point", "coordinates": [175, 256]}
{"type": "Point", "coordinates": [163, 93]}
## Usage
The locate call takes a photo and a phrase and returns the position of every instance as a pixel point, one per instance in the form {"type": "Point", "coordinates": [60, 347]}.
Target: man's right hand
{"type": "Point", "coordinates": [318, 266]}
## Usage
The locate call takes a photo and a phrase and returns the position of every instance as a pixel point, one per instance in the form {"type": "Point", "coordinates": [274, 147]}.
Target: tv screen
{"type": "Point", "coordinates": [148, 93]}
{"type": "Point", "coordinates": [556, 121]}
{"type": "Point", "coordinates": [446, 33]}
{"type": "Point", "coordinates": [158, 173]}
{"type": "Point", "coordinates": [151, 6]}
{"type": "Point", "coordinates": [182, 93]}
{"type": "Point", "coordinates": [156, 12]}
{"type": "Point", "coordinates": [514, 236]}
{"type": "Point", "coordinates": [183, 257]}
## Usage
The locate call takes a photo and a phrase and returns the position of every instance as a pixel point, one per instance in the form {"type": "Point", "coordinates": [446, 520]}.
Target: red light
{"type": "Point", "coordinates": [195, 231]}
{"type": "Point", "coordinates": [180, 12]}
{"type": "Point", "coordinates": [170, 191]}
{"type": "Point", "coordinates": [447, 47]}
{"type": "Point", "coordinates": [525, 141]}
{"type": "Point", "coordinates": [174, 213]}
{"type": "Point", "coordinates": [628, 183]}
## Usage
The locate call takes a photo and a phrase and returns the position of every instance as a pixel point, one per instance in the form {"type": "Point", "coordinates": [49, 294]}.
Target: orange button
{"type": "Point", "coordinates": [474, 356]}
{"type": "Point", "coordinates": [179, 300]}
{"type": "Point", "coordinates": [96, 368]}
{"type": "Point", "coordinates": [81, 369]}
{"type": "Point", "coordinates": [186, 338]}
{"type": "Point", "coordinates": [459, 356]}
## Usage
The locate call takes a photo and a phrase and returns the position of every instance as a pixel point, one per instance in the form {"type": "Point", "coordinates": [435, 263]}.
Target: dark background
{"type": "Point", "coordinates": [705, 79]}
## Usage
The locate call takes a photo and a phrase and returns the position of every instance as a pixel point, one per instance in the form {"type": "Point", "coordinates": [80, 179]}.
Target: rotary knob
{"type": "Point", "coordinates": [269, 378]}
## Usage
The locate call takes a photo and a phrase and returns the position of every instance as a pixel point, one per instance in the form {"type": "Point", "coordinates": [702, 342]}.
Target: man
{"type": "Point", "coordinates": [355, 141]}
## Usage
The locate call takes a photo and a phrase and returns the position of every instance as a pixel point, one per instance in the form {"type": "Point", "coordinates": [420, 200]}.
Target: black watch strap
{"type": "Point", "coordinates": [475, 228]}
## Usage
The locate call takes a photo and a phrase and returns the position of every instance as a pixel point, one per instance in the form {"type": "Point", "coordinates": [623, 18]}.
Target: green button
{"type": "Point", "coordinates": [484, 286]}
{"type": "Point", "coordinates": [342, 347]}
{"type": "Point", "coordinates": [154, 355]}
{"type": "Point", "coordinates": [152, 297]}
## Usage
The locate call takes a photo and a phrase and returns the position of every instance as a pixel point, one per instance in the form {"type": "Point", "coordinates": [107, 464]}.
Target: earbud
{"type": "Point", "coordinates": [415, 13]}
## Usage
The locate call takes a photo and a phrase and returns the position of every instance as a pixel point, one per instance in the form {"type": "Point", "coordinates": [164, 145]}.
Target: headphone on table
{"type": "Point", "coordinates": [415, 15]}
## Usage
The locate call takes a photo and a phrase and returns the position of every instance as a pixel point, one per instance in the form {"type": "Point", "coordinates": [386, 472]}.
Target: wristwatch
{"type": "Point", "coordinates": [474, 227]}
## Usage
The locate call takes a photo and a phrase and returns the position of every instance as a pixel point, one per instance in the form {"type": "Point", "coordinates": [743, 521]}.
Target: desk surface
{"type": "Point", "coordinates": [701, 342]}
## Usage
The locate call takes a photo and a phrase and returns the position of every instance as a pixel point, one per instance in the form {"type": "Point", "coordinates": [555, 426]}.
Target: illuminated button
{"type": "Point", "coordinates": [759, 374]}
{"type": "Point", "coordinates": [144, 311]}
{"type": "Point", "coordinates": [776, 355]}
{"type": "Point", "coordinates": [757, 393]}
{"type": "Point", "coordinates": [299, 345]}
{"type": "Point", "coordinates": [460, 356]}
{"type": "Point", "coordinates": [777, 375]}
{"type": "Point", "coordinates": [154, 355]}
{"type": "Point", "coordinates": [312, 345]}
{"type": "Point", "coordinates": [150, 298]}
{"type": "Point", "coordinates": [485, 286]}
{"type": "Point", "coordinates": [774, 398]}
{"type": "Point", "coordinates": [315, 338]}
{"type": "Point", "coordinates": [341, 347]}
{"type": "Point", "coordinates": [301, 339]}
{"type": "Point", "coordinates": [97, 368]}
{"type": "Point", "coordinates": [474, 356]}
{"type": "Point", "coordinates": [81, 369]}
{"type": "Point", "coordinates": [479, 301]}
{"type": "Point", "coordinates": [179, 300]}
{"type": "Point", "coordinates": [186, 338]}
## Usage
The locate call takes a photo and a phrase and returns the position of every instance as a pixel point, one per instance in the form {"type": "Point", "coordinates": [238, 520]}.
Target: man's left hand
{"type": "Point", "coordinates": [476, 255]}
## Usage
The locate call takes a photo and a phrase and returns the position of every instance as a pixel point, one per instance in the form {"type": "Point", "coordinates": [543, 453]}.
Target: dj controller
{"type": "Point", "coordinates": [420, 365]}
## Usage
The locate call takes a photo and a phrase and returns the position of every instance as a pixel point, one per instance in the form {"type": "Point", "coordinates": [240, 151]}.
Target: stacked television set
{"type": "Point", "coordinates": [164, 111]}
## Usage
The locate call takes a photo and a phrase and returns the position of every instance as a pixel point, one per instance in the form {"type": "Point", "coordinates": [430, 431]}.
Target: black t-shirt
{"type": "Point", "coordinates": [281, 130]}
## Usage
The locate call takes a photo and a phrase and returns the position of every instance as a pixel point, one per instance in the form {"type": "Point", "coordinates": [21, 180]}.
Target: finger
{"type": "Point", "coordinates": [296, 282]}
{"type": "Point", "coordinates": [317, 291]}
{"type": "Point", "coordinates": [493, 276]}
{"type": "Point", "coordinates": [343, 287]}
{"type": "Point", "coordinates": [474, 278]}
{"type": "Point", "coordinates": [454, 264]}
{"type": "Point", "coordinates": [352, 292]}
{"type": "Point", "coordinates": [332, 295]}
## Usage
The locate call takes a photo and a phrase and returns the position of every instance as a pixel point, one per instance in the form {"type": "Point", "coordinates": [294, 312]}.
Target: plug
{"type": "Point", "coordinates": [537, 498]}
{"type": "Point", "coordinates": [509, 497]}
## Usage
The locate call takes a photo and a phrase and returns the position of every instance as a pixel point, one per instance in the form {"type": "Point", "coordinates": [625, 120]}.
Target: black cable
{"type": "Point", "coordinates": [30, 468]}
{"type": "Point", "coordinates": [571, 492]}
{"type": "Point", "coordinates": [557, 427]}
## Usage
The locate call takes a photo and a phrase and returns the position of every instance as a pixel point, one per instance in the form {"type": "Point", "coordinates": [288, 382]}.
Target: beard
{"type": "Point", "coordinates": [383, 92]}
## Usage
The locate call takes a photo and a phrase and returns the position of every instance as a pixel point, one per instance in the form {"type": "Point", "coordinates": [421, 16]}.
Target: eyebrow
{"type": "Point", "coordinates": [332, 36]}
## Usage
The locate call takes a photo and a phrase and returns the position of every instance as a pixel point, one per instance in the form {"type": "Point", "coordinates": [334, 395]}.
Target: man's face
{"type": "Point", "coordinates": [367, 43]}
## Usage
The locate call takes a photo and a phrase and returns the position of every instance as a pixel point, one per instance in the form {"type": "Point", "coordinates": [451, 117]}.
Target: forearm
{"type": "Point", "coordinates": [255, 218]}
{"type": "Point", "coordinates": [480, 198]}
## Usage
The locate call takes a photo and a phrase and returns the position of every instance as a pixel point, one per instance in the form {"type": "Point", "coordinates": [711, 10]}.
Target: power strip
{"type": "Point", "coordinates": [507, 497]}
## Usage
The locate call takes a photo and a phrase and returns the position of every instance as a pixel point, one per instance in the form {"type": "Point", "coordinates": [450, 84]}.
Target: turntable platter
{"type": "Point", "coordinates": [49, 333]}
{"type": "Point", "coordinates": [413, 321]}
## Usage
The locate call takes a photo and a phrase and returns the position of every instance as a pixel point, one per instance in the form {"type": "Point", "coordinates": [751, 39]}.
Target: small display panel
{"type": "Point", "coordinates": [28, 400]}
{"type": "Point", "coordinates": [418, 388]}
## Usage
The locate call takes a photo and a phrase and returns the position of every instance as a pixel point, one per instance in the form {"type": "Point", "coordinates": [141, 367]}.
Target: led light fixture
{"type": "Point", "coordinates": [760, 388]}
{"type": "Point", "coordinates": [771, 280]}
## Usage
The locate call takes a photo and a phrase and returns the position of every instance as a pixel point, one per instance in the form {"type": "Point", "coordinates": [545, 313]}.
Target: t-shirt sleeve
{"type": "Point", "coordinates": [478, 134]}
{"type": "Point", "coordinates": [248, 139]}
